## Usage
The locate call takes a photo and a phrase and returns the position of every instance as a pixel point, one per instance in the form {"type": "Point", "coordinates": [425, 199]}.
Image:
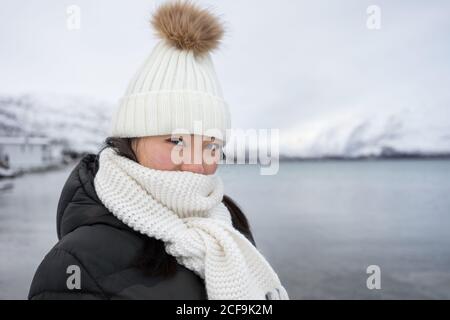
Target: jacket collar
{"type": "Point", "coordinates": [79, 204]}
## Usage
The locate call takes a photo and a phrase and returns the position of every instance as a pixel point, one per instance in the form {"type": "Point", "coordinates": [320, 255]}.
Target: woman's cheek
{"type": "Point", "coordinates": [210, 168]}
{"type": "Point", "coordinates": [162, 159]}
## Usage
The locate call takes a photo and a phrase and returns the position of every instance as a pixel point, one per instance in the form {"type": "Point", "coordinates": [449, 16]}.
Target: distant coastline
{"type": "Point", "coordinates": [386, 154]}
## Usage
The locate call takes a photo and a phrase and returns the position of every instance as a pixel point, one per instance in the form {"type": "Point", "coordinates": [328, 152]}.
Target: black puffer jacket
{"type": "Point", "coordinates": [104, 249]}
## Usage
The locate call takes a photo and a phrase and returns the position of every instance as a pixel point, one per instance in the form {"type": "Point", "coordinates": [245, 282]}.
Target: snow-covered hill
{"type": "Point", "coordinates": [407, 131]}
{"type": "Point", "coordinates": [82, 122]}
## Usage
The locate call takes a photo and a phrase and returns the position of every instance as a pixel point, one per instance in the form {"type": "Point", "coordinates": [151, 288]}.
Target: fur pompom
{"type": "Point", "coordinates": [188, 27]}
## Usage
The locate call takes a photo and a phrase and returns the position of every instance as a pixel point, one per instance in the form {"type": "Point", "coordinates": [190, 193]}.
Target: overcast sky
{"type": "Point", "coordinates": [295, 65]}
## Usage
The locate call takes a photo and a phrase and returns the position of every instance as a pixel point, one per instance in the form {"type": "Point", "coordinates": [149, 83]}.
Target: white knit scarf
{"type": "Point", "coordinates": [185, 211]}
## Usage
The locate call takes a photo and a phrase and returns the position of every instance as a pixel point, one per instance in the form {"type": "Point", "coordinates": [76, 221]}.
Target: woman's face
{"type": "Point", "coordinates": [198, 154]}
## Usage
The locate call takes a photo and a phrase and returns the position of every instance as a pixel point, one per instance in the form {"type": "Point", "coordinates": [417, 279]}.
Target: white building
{"type": "Point", "coordinates": [28, 153]}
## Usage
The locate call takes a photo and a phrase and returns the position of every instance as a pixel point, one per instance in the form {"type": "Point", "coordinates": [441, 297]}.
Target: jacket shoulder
{"type": "Point", "coordinates": [61, 275]}
{"type": "Point", "coordinates": [104, 257]}
{"type": "Point", "coordinates": [92, 251]}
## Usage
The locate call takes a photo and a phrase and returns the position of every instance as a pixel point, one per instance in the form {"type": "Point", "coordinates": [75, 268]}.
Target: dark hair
{"type": "Point", "coordinates": [154, 260]}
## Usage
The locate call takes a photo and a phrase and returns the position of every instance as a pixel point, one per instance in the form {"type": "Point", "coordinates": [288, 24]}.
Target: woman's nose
{"type": "Point", "coordinates": [194, 161]}
{"type": "Point", "coordinates": [195, 168]}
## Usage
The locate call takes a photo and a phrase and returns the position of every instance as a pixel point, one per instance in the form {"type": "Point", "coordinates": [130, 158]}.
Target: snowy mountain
{"type": "Point", "coordinates": [81, 122]}
{"type": "Point", "coordinates": [84, 124]}
{"type": "Point", "coordinates": [352, 135]}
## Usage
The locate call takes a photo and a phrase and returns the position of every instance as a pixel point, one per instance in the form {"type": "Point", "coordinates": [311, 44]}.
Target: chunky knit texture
{"type": "Point", "coordinates": [185, 211]}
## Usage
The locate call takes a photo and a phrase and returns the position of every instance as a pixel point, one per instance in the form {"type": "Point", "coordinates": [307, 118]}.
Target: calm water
{"type": "Point", "coordinates": [320, 224]}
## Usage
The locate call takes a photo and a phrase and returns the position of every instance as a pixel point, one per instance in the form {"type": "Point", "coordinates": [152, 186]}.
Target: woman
{"type": "Point", "coordinates": [144, 219]}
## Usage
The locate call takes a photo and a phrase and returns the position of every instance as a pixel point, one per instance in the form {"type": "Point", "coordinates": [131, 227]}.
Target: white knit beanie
{"type": "Point", "coordinates": [177, 85]}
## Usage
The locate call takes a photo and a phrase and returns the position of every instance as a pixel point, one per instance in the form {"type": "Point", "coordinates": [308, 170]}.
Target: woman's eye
{"type": "Point", "coordinates": [175, 141]}
{"type": "Point", "coordinates": [213, 146]}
